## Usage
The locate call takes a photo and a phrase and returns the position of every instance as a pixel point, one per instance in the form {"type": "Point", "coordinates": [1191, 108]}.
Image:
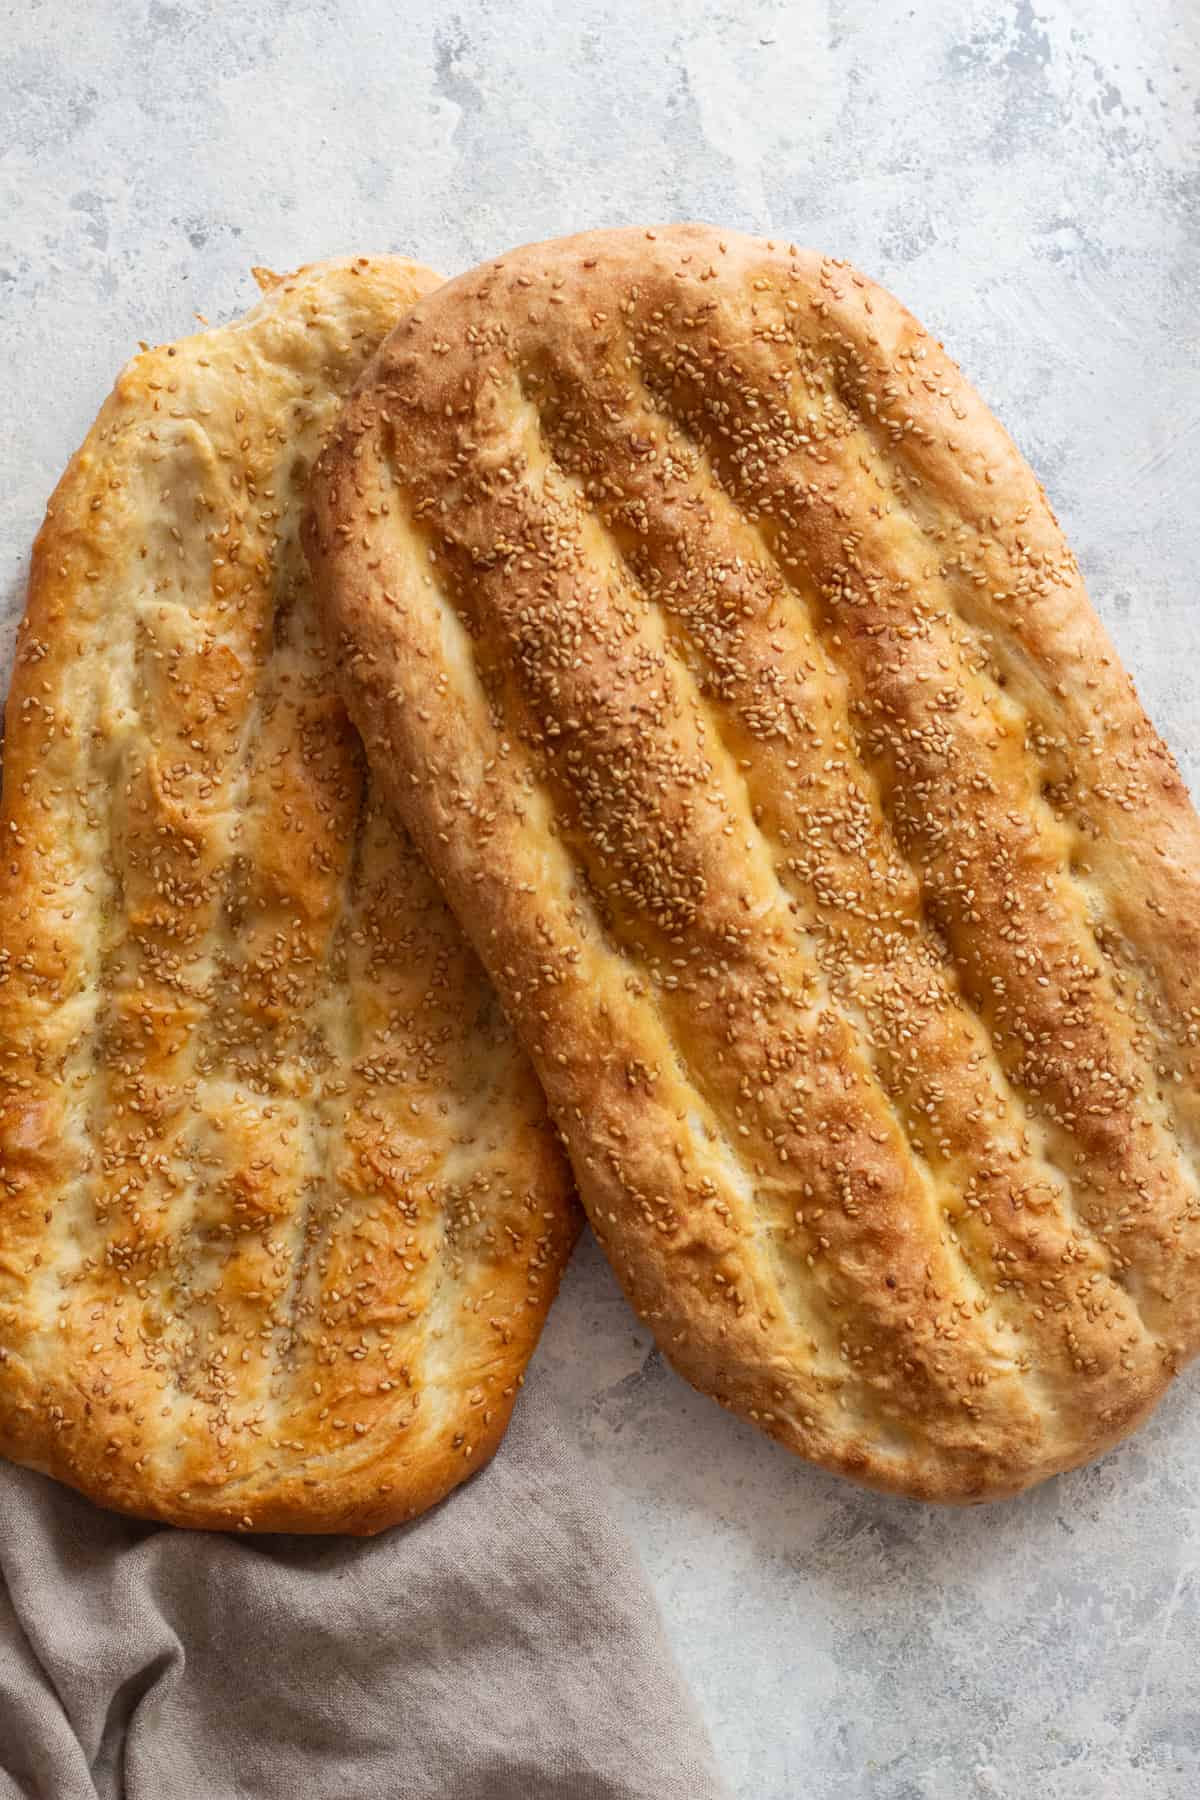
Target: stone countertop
{"type": "Point", "coordinates": [1024, 176]}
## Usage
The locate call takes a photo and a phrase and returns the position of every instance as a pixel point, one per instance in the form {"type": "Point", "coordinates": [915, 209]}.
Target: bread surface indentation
{"type": "Point", "coordinates": [281, 1213]}
{"type": "Point", "coordinates": [728, 664]}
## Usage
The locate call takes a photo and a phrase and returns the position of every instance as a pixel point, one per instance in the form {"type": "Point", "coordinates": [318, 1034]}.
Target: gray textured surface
{"type": "Point", "coordinates": [1024, 175]}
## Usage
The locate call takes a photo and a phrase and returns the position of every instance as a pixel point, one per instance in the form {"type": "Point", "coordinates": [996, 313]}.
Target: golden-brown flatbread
{"type": "Point", "coordinates": [727, 662]}
{"type": "Point", "coordinates": [280, 1211]}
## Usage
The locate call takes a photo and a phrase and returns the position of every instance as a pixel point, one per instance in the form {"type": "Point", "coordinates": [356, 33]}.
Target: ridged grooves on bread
{"type": "Point", "coordinates": [838, 772]}
{"type": "Point", "coordinates": [281, 1212]}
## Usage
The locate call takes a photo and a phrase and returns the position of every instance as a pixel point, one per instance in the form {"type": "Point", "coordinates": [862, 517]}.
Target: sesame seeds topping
{"type": "Point", "coordinates": [274, 1171]}
{"type": "Point", "coordinates": [728, 670]}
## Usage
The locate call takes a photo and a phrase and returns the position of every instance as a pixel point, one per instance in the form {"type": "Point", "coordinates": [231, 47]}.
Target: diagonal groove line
{"type": "Point", "coordinates": [223, 987]}
{"type": "Point", "coordinates": [118, 628]}
{"type": "Point", "coordinates": [1004, 643]}
{"type": "Point", "coordinates": [552, 786]}
{"type": "Point", "coordinates": [180, 1225]}
{"type": "Point", "coordinates": [333, 1003]}
{"type": "Point", "coordinates": [1094, 900]}
{"type": "Point", "coordinates": [318, 1162]}
{"type": "Point", "coordinates": [973, 1258]}
{"type": "Point", "coordinates": [1062, 1181]}
{"type": "Point", "coordinates": [1083, 1231]}
{"type": "Point", "coordinates": [121, 944]}
{"type": "Point", "coordinates": [875, 1084]}
{"type": "Point", "coordinates": [1167, 1114]}
{"type": "Point", "coordinates": [975, 1267]}
{"type": "Point", "coordinates": [860, 1035]}
{"type": "Point", "coordinates": [1025, 1104]}
{"type": "Point", "coordinates": [198, 1252]}
{"type": "Point", "coordinates": [193, 1248]}
{"type": "Point", "coordinates": [440, 1285]}
{"type": "Point", "coordinates": [1128, 962]}
{"type": "Point", "coordinates": [111, 943]}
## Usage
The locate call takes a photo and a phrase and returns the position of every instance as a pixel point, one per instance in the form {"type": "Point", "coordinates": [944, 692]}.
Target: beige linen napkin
{"type": "Point", "coordinates": [503, 1647]}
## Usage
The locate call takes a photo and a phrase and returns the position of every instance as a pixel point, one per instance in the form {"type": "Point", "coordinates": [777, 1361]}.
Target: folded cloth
{"type": "Point", "coordinates": [503, 1647]}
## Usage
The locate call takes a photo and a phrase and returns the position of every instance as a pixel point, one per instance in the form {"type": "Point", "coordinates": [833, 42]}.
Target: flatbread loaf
{"type": "Point", "coordinates": [727, 662]}
{"type": "Point", "coordinates": [280, 1211]}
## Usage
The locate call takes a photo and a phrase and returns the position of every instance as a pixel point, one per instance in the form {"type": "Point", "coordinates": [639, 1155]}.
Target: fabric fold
{"type": "Point", "coordinates": [503, 1647]}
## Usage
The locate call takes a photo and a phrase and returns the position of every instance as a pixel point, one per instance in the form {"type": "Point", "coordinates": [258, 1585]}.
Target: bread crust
{"type": "Point", "coordinates": [281, 1213]}
{"type": "Point", "coordinates": [727, 662]}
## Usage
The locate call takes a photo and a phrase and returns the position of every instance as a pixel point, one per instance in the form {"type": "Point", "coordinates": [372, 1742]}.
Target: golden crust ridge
{"type": "Point", "coordinates": [281, 1214]}
{"type": "Point", "coordinates": [728, 664]}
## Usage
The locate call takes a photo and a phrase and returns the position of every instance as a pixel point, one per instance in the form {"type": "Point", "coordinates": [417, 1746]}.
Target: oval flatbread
{"type": "Point", "coordinates": [727, 662]}
{"type": "Point", "coordinates": [281, 1213]}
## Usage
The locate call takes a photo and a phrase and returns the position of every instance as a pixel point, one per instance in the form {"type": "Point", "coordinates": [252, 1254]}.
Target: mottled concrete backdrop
{"type": "Point", "coordinates": [1024, 175]}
